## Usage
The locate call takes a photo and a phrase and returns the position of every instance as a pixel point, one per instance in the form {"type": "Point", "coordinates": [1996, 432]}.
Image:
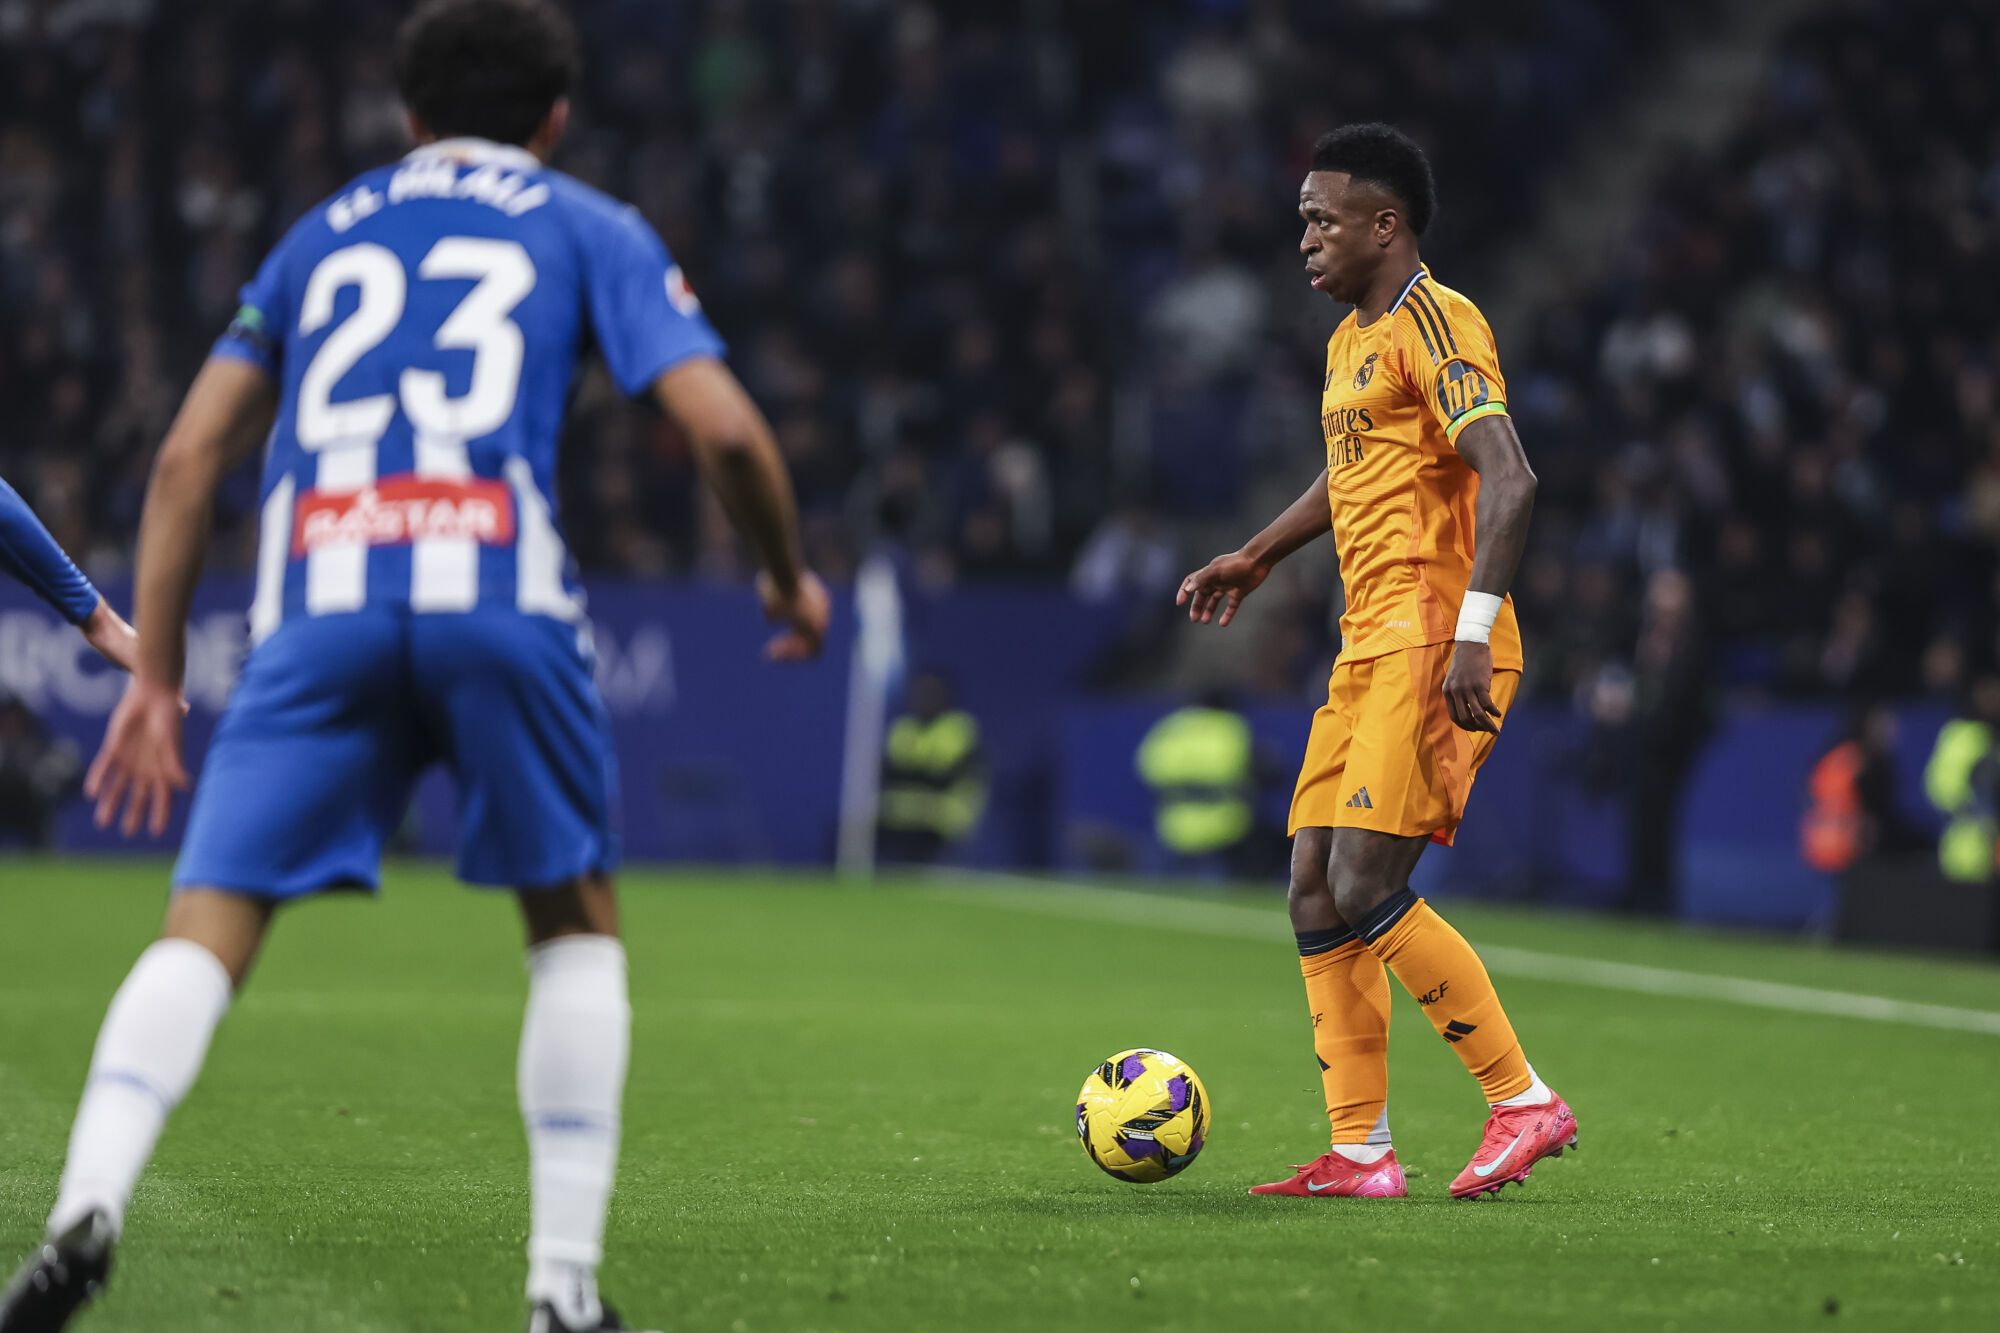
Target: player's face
{"type": "Point", "coordinates": [1338, 243]}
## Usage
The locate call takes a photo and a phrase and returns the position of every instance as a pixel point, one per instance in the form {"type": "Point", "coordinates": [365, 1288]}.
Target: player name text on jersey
{"type": "Point", "coordinates": [439, 178]}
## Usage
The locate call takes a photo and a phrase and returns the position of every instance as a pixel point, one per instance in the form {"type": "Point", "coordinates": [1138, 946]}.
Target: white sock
{"type": "Point", "coordinates": [574, 1043]}
{"type": "Point", "coordinates": [1362, 1154]}
{"type": "Point", "coordinates": [1375, 1149]}
{"type": "Point", "coordinates": [148, 1053]}
{"type": "Point", "coordinates": [1537, 1094]}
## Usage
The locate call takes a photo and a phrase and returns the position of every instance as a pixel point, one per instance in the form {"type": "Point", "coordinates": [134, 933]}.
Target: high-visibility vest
{"type": "Point", "coordinates": [1200, 763]}
{"type": "Point", "coordinates": [1830, 835]}
{"type": "Point", "coordinates": [1960, 780]}
{"type": "Point", "coordinates": [931, 781]}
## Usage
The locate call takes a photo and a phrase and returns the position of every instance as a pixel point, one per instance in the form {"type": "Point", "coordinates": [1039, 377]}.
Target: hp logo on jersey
{"type": "Point", "coordinates": [1460, 388]}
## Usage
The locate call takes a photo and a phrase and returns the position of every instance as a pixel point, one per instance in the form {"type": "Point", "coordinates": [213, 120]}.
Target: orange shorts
{"type": "Point", "coordinates": [1384, 753]}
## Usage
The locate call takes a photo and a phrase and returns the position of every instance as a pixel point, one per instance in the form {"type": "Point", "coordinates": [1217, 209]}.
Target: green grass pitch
{"type": "Point", "coordinates": [850, 1109]}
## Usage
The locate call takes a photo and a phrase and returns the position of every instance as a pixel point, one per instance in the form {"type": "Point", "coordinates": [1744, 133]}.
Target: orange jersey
{"type": "Point", "coordinates": [1397, 394]}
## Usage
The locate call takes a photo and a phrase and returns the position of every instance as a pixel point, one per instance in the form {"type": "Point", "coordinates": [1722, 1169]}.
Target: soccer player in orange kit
{"type": "Point", "coordinates": [1428, 494]}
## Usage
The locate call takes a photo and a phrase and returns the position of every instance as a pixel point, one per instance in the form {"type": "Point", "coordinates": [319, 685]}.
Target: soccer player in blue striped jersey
{"type": "Point", "coordinates": [31, 555]}
{"type": "Point", "coordinates": [404, 357]}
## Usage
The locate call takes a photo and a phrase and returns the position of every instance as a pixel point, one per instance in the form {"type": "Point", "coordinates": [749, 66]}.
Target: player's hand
{"type": "Point", "coordinates": [139, 767]}
{"type": "Point", "coordinates": [804, 611]}
{"type": "Point", "coordinates": [109, 634]}
{"type": "Point", "coordinates": [1468, 687]}
{"type": "Point", "coordinates": [1214, 591]}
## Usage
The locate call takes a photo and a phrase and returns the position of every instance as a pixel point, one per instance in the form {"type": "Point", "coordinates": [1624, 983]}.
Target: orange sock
{"type": "Point", "coordinates": [1439, 968]}
{"type": "Point", "coordinates": [1348, 994]}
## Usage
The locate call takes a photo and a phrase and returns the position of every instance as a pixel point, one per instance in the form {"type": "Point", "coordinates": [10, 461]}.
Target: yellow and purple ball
{"type": "Point", "coordinates": [1142, 1115]}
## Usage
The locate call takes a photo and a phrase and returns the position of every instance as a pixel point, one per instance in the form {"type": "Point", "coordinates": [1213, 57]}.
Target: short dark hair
{"type": "Point", "coordinates": [1383, 155]}
{"type": "Point", "coordinates": [486, 68]}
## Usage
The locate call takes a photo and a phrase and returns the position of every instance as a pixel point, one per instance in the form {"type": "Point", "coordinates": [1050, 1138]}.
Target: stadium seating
{"type": "Point", "coordinates": [947, 243]}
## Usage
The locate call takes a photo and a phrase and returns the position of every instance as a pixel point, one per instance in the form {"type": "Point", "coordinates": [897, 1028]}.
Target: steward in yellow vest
{"type": "Point", "coordinates": [933, 776]}
{"type": "Point", "coordinates": [1201, 764]}
{"type": "Point", "coordinates": [1962, 780]}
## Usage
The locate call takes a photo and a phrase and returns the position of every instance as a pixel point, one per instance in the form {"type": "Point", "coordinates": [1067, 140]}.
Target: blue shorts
{"type": "Point", "coordinates": [335, 716]}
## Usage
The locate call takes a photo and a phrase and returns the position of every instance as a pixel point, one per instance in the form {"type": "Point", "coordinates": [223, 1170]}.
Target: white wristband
{"type": "Point", "coordinates": [1476, 615]}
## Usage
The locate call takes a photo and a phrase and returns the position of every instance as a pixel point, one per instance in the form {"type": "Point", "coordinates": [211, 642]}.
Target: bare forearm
{"type": "Point", "coordinates": [1506, 500]}
{"type": "Point", "coordinates": [226, 415]}
{"type": "Point", "coordinates": [1505, 505]}
{"type": "Point", "coordinates": [750, 480]}
{"type": "Point", "coordinates": [1304, 521]}
{"type": "Point", "coordinates": [173, 544]}
{"type": "Point", "coordinates": [739, 461]}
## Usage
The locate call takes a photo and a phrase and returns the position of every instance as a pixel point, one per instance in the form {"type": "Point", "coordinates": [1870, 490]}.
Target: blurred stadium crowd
{"type": "Point", "coordinates": [1785, 383]}
{"type": "Point", "coordinates": [1016, 284]}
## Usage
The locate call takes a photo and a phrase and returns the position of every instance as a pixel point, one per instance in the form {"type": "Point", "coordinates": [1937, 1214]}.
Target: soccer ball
{"type": "Point", "coordinates": [1142, 1116]}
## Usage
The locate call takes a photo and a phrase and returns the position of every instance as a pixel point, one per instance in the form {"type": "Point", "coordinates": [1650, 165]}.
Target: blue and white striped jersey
{"type": "Point", "coordinates": [425, 327]}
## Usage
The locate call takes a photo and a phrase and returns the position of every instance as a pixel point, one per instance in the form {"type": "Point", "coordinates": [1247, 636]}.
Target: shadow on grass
{"type": "Point", "coordinates": [1116, 1201]}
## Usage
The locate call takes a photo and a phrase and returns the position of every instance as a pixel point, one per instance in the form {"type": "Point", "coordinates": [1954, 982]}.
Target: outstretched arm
{"type": "Point", "coordinates": [1217, 589]}
{"type": "Point", "coordinates": [226, 415]}
{"type": "Point", "coordinates": [30, 554]}
{"type": "Point", "coordinates": [740, 462]}
{"type": "Point", "coordinates": [1506, 500]}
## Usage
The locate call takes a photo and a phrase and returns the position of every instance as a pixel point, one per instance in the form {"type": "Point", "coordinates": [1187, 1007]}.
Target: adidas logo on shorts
{"type": "Point", "coordinates": [1360, 801]}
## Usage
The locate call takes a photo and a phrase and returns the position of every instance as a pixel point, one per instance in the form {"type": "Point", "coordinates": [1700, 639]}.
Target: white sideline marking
{"type": "Point", "coordinates": [1096, 902]}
